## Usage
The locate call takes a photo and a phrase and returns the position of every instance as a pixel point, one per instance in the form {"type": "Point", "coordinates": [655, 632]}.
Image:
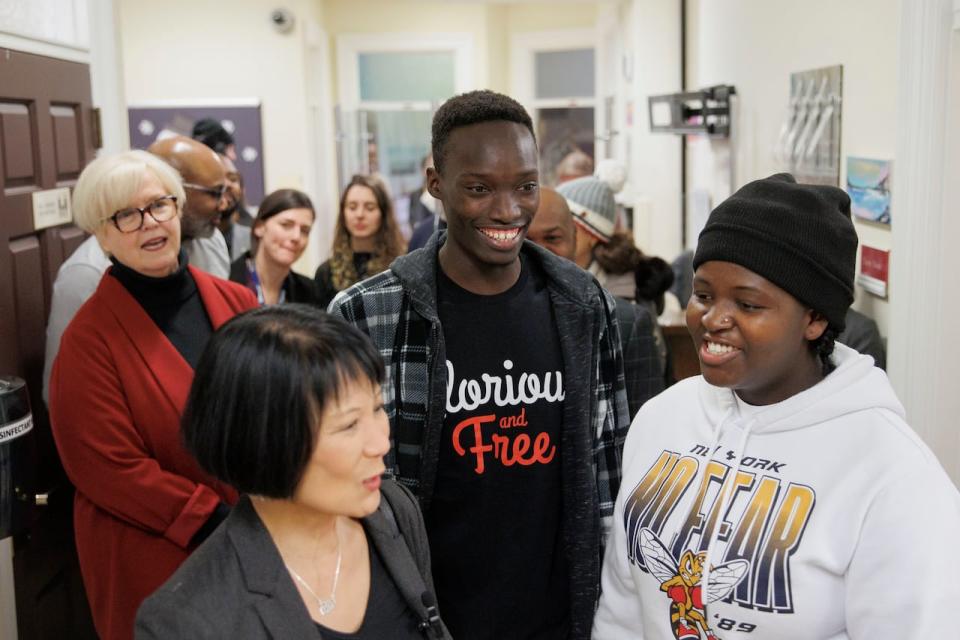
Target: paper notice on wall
{"type": "Point", "coordinates": [51, 207]}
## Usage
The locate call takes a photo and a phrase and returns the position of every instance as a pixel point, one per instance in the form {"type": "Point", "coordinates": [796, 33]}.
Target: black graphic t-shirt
{"type": "Point", "coordinates": [495, 519]}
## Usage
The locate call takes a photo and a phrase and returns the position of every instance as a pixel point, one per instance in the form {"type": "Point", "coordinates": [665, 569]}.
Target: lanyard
{"type": "Point", "coordinates": [253, 281]}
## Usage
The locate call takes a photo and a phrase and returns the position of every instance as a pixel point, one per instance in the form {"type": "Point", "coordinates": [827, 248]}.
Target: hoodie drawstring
{"type": "Point", "coordinates": [722, 500]}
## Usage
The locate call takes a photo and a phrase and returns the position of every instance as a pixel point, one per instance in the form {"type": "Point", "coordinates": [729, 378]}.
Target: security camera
{"type": "Point", "coordinates": [282, 20]}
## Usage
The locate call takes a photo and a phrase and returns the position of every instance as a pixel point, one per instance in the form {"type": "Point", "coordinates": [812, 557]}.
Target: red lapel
{"type": "Point", "coordinates": [173, 374]}
{"type": "Point", "coordinates": [159, 356]}
{"type": "Point", "coordinates": [218, 309]}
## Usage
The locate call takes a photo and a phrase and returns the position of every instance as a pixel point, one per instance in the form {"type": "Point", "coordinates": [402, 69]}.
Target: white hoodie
{"type": "Point", "coordinates": [841, 522]}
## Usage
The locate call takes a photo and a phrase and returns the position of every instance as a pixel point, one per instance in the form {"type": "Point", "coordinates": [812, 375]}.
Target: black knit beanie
{"type": "Point", "coordinates": [797, 236]}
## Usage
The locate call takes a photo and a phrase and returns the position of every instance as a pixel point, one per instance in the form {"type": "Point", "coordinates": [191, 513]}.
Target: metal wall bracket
{"type": "Point", "coordinates": [706, 111]}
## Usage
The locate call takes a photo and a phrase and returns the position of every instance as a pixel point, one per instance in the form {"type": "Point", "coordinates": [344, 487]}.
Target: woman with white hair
{"type": "Point", "coordinates": [119, 385]}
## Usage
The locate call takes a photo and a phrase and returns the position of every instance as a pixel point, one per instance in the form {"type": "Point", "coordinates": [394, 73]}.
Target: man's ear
{"type": "Point", "coordinates": [433, 183]}
{"type": "Point", "coordinates": [816, 325]}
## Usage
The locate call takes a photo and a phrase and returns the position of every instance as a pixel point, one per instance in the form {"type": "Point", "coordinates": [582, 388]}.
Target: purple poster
{"type": "Point", "coordinates": [149, 123]}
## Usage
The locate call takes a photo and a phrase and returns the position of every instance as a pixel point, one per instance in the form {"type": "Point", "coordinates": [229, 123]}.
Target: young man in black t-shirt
{"type": "Point", "coordinates": [505, 388]}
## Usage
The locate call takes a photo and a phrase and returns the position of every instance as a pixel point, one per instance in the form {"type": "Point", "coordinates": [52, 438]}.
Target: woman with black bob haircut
{"type": "Point", "coordinates": [286, 407]}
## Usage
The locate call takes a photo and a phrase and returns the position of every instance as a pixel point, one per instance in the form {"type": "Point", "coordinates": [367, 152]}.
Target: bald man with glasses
{"type": "Point", "coordinates": [205, 183]}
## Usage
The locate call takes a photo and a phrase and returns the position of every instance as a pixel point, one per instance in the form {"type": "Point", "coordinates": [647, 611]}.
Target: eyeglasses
{"type": "Point", "coordinates": [214, 192]}
{"type": "Point", "coordinates": [131, 219]}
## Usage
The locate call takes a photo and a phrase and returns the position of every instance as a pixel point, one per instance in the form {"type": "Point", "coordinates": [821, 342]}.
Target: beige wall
{"type": "Point", "coordinates": [387, 16]}
{"type": "Point", "coordinates": [755, 46]}
{"type": "Point", "coordinates": [652, 44]}
{"type": "Point", "coordinates": [490, 24]}
{"type": "Point", "coordinates": [546, 16]}
{"type": "Point", "coordinates": [210, 50]}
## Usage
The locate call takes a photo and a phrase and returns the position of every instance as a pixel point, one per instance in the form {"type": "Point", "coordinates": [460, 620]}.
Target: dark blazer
{"type": "Point", "coordinates": [117, 393]}
{"type": "Point", "coordinates": [236, 586]}
{"type": "Point", "coordinates": [423, 231]}
{"type": "Point", "coordinates": [862, 334]}
{"type": "Point", "coordinates": [299, 288]}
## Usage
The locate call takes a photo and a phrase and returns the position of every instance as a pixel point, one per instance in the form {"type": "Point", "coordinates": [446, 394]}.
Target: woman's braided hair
{"type": "Point", "coordinates": [823, 348]}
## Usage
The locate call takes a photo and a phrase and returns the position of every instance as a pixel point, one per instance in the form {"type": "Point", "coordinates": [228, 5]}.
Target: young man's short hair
{"type": "Point", "coordinates": [472, 108]}
{"type": "Point", "coordinates": [260, 387]}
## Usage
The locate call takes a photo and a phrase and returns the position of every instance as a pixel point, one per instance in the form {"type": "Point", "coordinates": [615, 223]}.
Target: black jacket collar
{"type": "Point", "coordinates": [264, 572]}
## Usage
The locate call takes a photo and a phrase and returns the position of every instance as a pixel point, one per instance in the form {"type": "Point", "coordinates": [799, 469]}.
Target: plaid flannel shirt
{"type": "Point", "coordinates": [398, 310]}
{"type": "Point", "coordinates": [643, 366]}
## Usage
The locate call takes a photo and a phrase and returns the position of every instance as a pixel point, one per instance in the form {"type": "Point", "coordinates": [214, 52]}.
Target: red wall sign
{"type": "Point", "coordinates": [874, 270]}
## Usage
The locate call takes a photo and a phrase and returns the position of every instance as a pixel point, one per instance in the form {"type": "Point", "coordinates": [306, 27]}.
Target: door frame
{"type": "Point", "coordinates": [351, 45]}
{"type": "Point", "coordinates": [93, 40]}
{"type": "Point", "coordinates": [523, 48]}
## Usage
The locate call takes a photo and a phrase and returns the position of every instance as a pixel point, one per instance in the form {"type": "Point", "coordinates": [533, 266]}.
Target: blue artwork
{"type": "Point", "coordinates": [868, 183]}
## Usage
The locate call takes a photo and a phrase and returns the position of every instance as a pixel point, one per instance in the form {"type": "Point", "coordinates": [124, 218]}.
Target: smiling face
{"type": "Point", "coordinates": [342, 476]}
{"type": "Point", "coordinates": [281, 238]}
{"type": "Point", "coordinates": [153, 249]}
{"type": "Point", "coordinates": [490, 193]}
{"type": "Point", "coordinates": [361, 212]}
{"type": "Point", "coordinates": [200, 166]}
{"type": "Point", "coordinates": [751, 335]}
{"type": "Point", "coordinates": [201, 212]}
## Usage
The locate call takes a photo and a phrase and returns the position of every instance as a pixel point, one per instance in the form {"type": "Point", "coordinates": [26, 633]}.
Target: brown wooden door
{"type": "Point", "coordinates": [46, 129]}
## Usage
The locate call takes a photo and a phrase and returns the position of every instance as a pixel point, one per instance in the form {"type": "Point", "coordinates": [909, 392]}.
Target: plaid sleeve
{"type": "Point", "coordinates": [373, 306]}
{"type": "Point", "coordinates": [612, 417]}
{"type": "Point", "coordinates": [643, 368]}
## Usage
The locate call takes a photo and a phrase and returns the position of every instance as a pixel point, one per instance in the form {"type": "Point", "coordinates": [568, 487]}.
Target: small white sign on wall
{"type": "Point", "coordinates": [51, 207]}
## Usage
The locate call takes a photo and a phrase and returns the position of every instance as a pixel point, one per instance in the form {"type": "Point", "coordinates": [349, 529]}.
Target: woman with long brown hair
{"type": "Point", "coordinates": [366, 239]}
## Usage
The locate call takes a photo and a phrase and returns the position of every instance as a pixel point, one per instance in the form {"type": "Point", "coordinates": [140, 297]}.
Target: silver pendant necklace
{"type": "Point", "coordinates": [324, 605]}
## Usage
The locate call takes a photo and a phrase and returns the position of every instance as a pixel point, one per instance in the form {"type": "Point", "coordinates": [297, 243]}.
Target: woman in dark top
{"type": "Point", "coordinates": [119, 384]}
{"type": "Point", "coordinates": [278, 239]}
{"type": "Point", "coordinates": [286, 407]}
{"type": "Point", "coordinates": [366, 239]}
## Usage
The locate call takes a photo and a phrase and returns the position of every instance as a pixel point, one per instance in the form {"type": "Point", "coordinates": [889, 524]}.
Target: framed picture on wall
{"type": "Point", "coordinates": [868, 183]}
{"type": "Point", "coordinates": [241, 118]}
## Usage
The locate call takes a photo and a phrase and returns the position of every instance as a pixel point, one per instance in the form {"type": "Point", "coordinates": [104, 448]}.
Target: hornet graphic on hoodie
{"type": "Point", "coordinates": [821, 516]}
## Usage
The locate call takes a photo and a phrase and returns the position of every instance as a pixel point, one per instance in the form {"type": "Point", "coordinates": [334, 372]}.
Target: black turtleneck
{"type": "Point", "coordinates": [173, 303]}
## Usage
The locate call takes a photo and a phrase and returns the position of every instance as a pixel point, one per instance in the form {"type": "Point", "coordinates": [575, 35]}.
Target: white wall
{"type": "Point", "coordinates": [924, 354]}
{"type": "Point", "coordinates": [652, 44]}
{"type": "Point", "coordinates": [755, 46]}
{"type": "Point", "coordinates": [55, 23]}
{"type": "Point", "coordinates": [194, 50]}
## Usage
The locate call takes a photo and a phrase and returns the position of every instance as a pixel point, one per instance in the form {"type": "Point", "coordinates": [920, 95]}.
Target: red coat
{"type": "Point", "coordinates": [117, 392]}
